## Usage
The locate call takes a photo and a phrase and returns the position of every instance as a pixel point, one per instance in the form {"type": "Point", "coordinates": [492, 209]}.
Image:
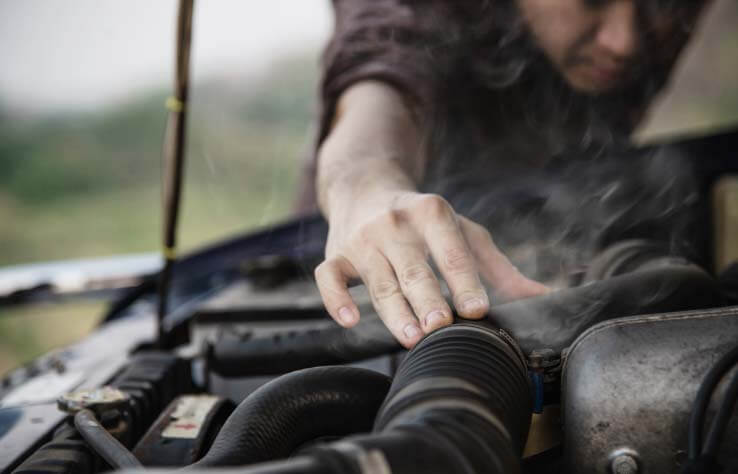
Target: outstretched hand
{"type": "Point", "coordinates": [387, 243]}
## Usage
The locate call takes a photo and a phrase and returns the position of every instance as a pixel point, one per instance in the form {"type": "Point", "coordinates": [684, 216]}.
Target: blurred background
{"type": "Point", "coordinates": [82, 88]}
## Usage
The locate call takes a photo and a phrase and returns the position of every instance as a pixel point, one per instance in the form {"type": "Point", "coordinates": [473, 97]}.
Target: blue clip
{"type": "Point", "coordinates": [536, 378]}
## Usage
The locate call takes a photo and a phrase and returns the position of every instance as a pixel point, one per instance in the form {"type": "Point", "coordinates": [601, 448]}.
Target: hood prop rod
{"type": "Point", "coordinates": [174, 156]}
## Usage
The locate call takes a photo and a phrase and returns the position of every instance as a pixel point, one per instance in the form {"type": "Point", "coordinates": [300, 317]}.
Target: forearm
{"type": "Point", "coordinates": [373, 148]}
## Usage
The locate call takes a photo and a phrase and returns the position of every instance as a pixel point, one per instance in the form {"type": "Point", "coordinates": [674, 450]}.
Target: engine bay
{"type": "Point", "coordinates": [629, 370]}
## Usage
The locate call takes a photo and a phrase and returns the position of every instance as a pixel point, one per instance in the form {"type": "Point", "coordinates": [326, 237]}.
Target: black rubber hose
{"type": "Point", "coordinates": [296, 408]}
{"type": "Point", "coordinates": [555, 319]}
{"type": "Point", "coordinates": [294, 350]}
{"type": "Point", "coordinates": [460, 403]}
{"type": "Point", "coordinates": [102, 442]}
{"type": "Point", "coordinates": [702, 400]}
{"type": "Point", "coordinates": [549, 321]}
{"type": "Point", "coordinates": [627, 256]}
{"type": "Point", "coordinates": [463, 390]}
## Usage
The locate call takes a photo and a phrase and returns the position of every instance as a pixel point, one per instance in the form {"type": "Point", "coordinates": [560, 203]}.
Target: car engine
{"type": "Point", "coordinates": [630, 369]}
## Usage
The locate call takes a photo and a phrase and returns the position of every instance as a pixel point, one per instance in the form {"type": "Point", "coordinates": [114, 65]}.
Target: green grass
{"type": "Point", "coordinates": [88, 185]}
{"type": "Point", "coordinates": [128, 220]}
{"type": "Point", "coordinates": [231, 186]}
{"type": "Point", "coordinates": [118, 221]}
{"type": "Point", "coordinates": [29, 331]}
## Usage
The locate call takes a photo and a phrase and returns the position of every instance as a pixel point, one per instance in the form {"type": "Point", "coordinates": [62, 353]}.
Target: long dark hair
{"type": "Point", "coordinates": [494, 62]}
{"type": "Point", "coordinates": [515, 148]}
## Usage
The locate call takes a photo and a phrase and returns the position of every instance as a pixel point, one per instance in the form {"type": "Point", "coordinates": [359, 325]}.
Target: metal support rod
{"type": "Point", "coordinates": [174, 156]}
{"type": "Point", "coordinates": [102, 442]}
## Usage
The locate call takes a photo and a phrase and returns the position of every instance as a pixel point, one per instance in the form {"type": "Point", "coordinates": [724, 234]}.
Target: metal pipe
{"type": "Point", "coordinates": [102, 442]}
{"type": "Point", "coordinates": [174, 156]}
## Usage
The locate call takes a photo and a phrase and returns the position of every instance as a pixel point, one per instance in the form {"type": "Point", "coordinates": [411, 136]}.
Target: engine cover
{"type": "Point", "coordinates": [628, 388]}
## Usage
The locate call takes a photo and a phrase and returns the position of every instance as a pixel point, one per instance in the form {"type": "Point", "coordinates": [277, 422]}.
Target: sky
{"type": "Point", "coordinates": [62, 55]}
{"type": "Point", "coordinates": [79, 54]}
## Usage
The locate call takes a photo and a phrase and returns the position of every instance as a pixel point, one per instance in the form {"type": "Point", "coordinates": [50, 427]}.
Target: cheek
{"type": "Point", "coordinates": [556, 40]}
{"type": "Point", "coordinates": [557, 25]}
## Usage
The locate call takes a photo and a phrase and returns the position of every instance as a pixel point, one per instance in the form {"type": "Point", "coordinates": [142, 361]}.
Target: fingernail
{"type": "Point", "coordinates": [346, 315]}
{"type": "Point", "coordinates": [434, 318]}
{"type": "Point", "coordinates": [473, 305]}
{"type": "Point", "coordinates": [411, 331]}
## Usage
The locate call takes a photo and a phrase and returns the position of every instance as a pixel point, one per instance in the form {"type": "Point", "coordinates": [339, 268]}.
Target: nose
{"type": "Point", "coordinates": [617, 36]}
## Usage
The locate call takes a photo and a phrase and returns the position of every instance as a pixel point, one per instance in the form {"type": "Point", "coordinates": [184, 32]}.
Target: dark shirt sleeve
{"type": "Point", "coordinates": [399, 42]}
{"type": "Point", "coordinates": [394, 41]}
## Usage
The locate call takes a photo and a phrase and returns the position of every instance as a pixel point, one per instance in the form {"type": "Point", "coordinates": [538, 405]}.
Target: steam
{"type": "Point", "coordinates": [549, 171]}
{"type": "Point", "coordinates": [552, 220]}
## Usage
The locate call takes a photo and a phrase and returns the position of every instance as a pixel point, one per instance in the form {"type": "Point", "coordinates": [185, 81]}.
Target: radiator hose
{"type": "Point", "coordinates": [460, 402]}
{"type": "Point", "coordinates": [294, 409]}
{"type": "Point", "coordinates": [297, 349]}
{"type": "Point", "coordinates": [631, 286]}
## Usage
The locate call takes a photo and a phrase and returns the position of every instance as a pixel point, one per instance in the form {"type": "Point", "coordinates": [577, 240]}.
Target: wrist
{"type": "Point", "coordinates": [356, 192]}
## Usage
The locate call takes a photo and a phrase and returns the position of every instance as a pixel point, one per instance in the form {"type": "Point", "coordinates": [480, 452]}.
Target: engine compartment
{"type": "Point", "coordinates": [254, 376]}
{"type": "Point", "coordinates": [260, 382]}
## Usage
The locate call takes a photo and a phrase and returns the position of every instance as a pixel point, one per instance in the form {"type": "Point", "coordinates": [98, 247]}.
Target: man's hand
{"type": "Point", "coordinates": [385, 232]}
{"type": "Point", "coordinates": [388, 242]}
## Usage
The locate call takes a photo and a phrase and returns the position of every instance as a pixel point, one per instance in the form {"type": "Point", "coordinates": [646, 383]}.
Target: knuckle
{"type": "Point", "coordinates": [457, 259]}
{"type": "Point", "coordinates": [414, 274]}
{"type": "Point", "coordinates": [393, 219]}
{"type": "Point", "coordinates": [435, 206]}
{"type": "Point", "coordinates": [385, 289]}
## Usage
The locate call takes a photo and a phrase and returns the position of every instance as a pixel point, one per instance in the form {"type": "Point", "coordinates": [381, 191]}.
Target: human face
{"type": "Point", "coordinates": [597, 44]}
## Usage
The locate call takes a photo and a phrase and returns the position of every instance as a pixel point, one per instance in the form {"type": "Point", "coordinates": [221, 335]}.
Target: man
{"type": "Point", "coordinates": [426, 100]}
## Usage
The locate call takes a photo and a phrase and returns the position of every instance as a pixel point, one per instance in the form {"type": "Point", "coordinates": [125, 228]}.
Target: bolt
{"type": "Point", "coordinates": [624, 464]}
{"type": "Point", "coordinates": [540, 358]}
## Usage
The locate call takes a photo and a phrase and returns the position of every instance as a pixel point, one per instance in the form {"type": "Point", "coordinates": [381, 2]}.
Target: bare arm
{"type": "Point", "coordinates": [373, 146]}
{"type": "Point", "coordinates": [384, 232]}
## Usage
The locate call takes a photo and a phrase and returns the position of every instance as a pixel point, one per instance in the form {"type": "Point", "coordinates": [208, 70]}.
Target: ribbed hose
{"type": "Point", "coordinates": [296, 408]}
{"type": "Point", "coordinates": [460, 403]}
{"type": "Point", "coordinates": [469, 361]}
{"type": "Point", "coordinates": [468, 386]}
{"type": "Point", "coordinates": [551, 321]}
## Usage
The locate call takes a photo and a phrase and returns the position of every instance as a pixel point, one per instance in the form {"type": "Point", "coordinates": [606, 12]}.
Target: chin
{"type": "Point", "coordinates": [587, 86]}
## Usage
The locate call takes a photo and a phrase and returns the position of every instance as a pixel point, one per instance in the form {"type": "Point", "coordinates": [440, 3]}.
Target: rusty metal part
{"type": "Point", "coordinates": [629, 385]}
{"type": "Point", "coordinates": [102, 442]}
{"type": "Point", "coordinates": [98, 400]}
